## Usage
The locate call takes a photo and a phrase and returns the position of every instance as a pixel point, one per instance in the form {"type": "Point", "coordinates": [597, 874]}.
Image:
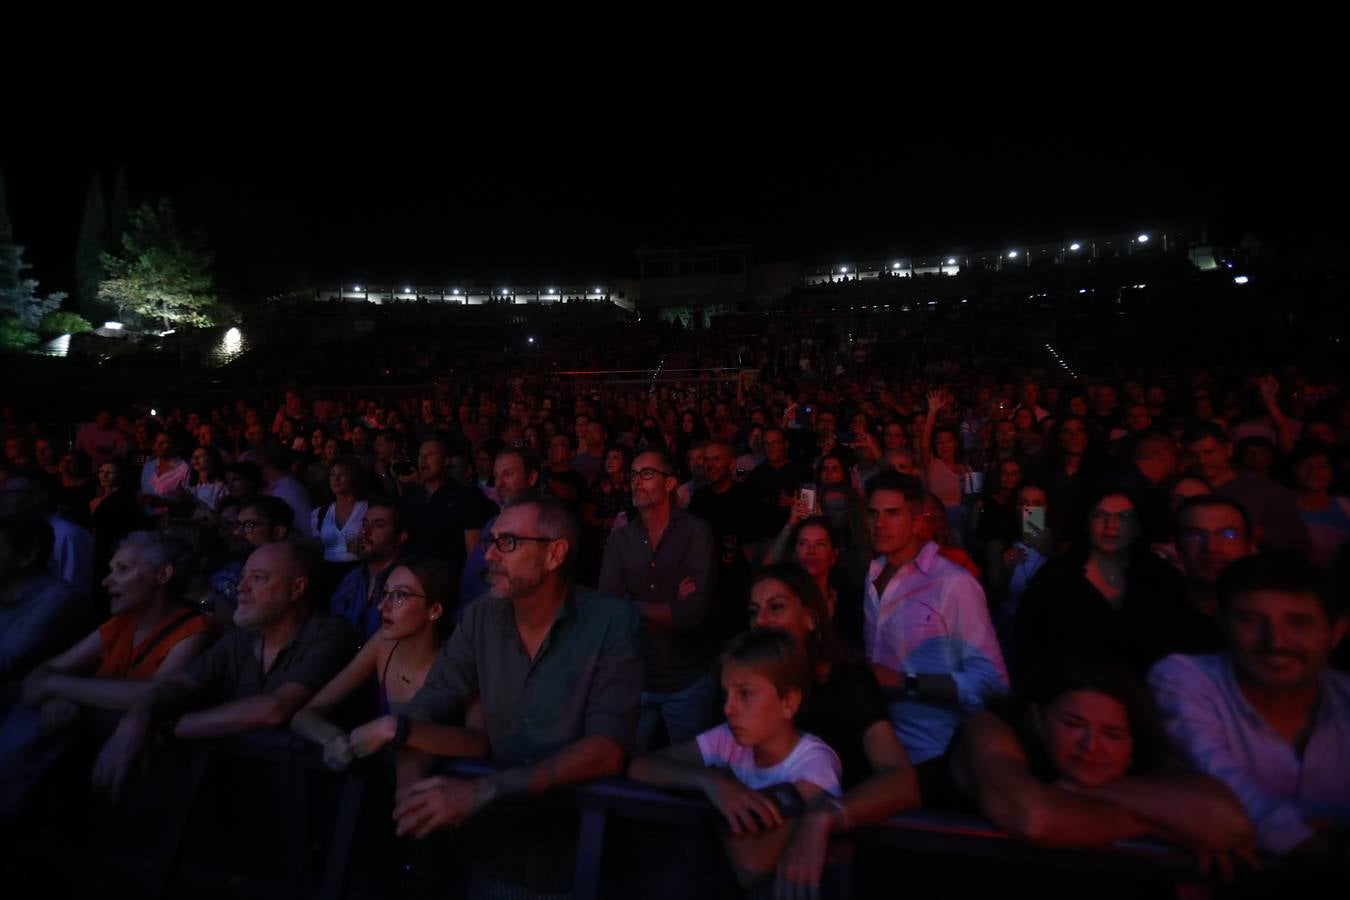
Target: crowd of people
{"type": "Point", "coordinates": [1087, 609]}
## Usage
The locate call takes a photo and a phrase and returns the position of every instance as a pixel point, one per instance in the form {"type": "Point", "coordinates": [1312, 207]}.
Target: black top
{"type": "Point", "coordinates": [840, 711]}
{"type": "Point", "coordinates": [438, 521]}
{"type": "Point", "coordinates": [1064, 615]}
{"type": "Point", "coordinates": [772, 484]}
{"type": "Point", "coordinates": [737, 519]}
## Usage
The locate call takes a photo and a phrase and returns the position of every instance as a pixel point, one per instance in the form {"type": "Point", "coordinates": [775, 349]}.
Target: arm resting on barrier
{"type": "Point", "coordinates": [272, 710]}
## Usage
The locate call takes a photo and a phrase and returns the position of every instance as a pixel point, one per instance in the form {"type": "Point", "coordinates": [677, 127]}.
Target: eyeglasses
{"type": "Point", "coordinates": [1101, 516]}
{"type": "Point", "coordinates": [397, 597]}
{"type": "Point", "coordinates": [1199, 537]}
{"type": "Point", "coordinates": [647, 474]}
{"type": "Point", "coordinates": [506, 543]}
{"type": "Point", "coordinates": [248, 525]}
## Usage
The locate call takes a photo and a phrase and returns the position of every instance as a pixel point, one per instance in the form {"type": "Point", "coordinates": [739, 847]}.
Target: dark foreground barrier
{"type": "Point", "coordinates": [318, 841]}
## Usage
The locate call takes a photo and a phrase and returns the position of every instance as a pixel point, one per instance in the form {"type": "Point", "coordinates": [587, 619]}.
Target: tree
{"type": "Point", "coordinates": [21, 309]}
{"type": "Point", "coordinates": [162, 272]}
{"type": "Point", "coordinates": [92, 243]}
{"type": "Point", "coordinates": [54, 323]}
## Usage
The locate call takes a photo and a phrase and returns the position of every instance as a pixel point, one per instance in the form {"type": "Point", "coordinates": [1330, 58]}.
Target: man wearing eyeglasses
{"type": "Point", "coordinates": [663, 562]}
{"type": "Point", "coordinates": [559, 675]}
{"type": "Point", "coordinates": [1211, 534]}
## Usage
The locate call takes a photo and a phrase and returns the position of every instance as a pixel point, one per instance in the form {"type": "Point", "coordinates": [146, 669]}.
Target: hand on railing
{"type": "Point", "coordinates": [746, 811]}
{"type": "Point", "coordinates": [803, 861]}
{"type": "Point", "coordinates": [435, 803]}
{"type": "Point", "coordinates": [338, 753]}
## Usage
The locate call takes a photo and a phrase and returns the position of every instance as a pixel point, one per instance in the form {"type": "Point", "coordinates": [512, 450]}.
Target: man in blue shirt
{"type": "Point", "coordinates": [384, 532]}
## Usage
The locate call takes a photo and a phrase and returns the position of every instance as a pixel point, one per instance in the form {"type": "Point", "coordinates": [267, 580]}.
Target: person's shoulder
{"type": "Point", "coordinates": [809, 745]}
{"type": "Point", "coordinates": [1187, 668]}
{"type": "Point", "coordinates": [596, 604]}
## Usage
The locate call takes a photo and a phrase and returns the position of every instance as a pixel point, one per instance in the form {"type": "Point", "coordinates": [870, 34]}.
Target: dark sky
{"type": "Point", "coordinates": [303, 163]}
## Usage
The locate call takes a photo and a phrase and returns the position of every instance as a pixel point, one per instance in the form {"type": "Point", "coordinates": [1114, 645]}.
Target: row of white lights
{"type": "Point", "coordinates": [1012, 254]}
{"type": "Point", "coordinates": [1060, 360]}
{"type": "Point", "coordinates": [407, 289]}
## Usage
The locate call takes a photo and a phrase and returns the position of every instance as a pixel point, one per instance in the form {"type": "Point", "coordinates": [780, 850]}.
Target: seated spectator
{"type": "Point", "coordinates": [1107, 597]}
{"type": "Point", "coordinates": [263, 520]}
{"type": "Point", "coordinates": [207, 486]}
{"type": "Point", "coordinates": [1326, 517]}
{"type": "Point", "coordinates": [398, 656]}
{"type": "Point", "coordinates": [243, 481]}
{"type": "Point", "coordinates": [570, 720]}
{"type": "Point", "coordinates": [926, 628]}
{"type": "Point", "coordinates": [694, 466]}
{"type": "Point", "coordinates": [39, 613]}
{"type": "Point", "coordinates": [516, 474]}
{"type": "Point", "coordinates": [1079, 760]}
{"type": "Point", "coordinates": [443, 516]}
{"type": "Point", "coordinates": [338, 522]}
{"type": "Point", "coordinates": [163, 474]}
{"type": "Point", "coordinates": [776, 479]}
{"type": "Point", "coordinates": [607, 497]}
{"type": "Point", "coordinates": [152, 635]}
{"type": "Point", "coordinates": [812, 544]}
{"type": "Point", "coordinates": [1211, 534]}
{"type": "Point", "coordinates": [1267, 716]}
{"type": "Point", "coordinates": [844, 707]}
{"type": "Point", "coordinates": [257, 676]}
{"type": "Point", "coordinates": [275, 464]}
{"type": "Point", "coordinates": [764, 678]}
{"type": "Point", "coordinates": [379, 548]}
{"type": "Point", "coordinates": [72, 550]}
{"type": "Point", "coordinates": [935, 526]}
{"type": "Point", "coordinates": [1274, 514]}
{"type": "Point", "coordinates": [561, 481]}
{"type": "Point", "coordinates": [73, 487]}
{"type": "Point", "coordinates": [113, 512]}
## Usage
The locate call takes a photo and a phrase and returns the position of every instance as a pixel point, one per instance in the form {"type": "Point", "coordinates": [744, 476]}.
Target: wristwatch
{"type": "Point", "coordinates": [911, 685]}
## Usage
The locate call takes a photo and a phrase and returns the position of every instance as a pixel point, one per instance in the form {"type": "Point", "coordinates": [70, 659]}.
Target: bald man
{"type": "Point", "coordinates": [258, 675]}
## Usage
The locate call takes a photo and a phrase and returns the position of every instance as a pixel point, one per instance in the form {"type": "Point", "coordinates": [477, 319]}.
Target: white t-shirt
{"type": "Point", "coordinates": [811, 760]}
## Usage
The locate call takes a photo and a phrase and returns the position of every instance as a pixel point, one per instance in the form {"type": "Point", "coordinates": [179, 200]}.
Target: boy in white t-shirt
{"type": "Point", "coordinates": [764, 675]}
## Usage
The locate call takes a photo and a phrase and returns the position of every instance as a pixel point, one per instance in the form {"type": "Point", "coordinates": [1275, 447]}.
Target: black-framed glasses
{"type": "Point", "coordinates": [507, 543]}
{"type": "Point", "coordinates": [398, 596]}
{"type": "Point", "coordinates": [647, 474]}
{"type": "Point", "coordinates": [247, 526]}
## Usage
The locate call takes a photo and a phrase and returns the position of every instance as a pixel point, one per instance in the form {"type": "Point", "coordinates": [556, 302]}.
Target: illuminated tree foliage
{"type": "Point", "coordinates": [163, 272]}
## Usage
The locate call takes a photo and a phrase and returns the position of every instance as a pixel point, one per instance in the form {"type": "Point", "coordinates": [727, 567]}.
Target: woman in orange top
{"type": "Point", "coordinates": [152, 634]}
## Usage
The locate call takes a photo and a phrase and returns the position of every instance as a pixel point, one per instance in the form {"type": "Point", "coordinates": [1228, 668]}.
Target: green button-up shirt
{"type": "Point", "coordinates": [585, 680]}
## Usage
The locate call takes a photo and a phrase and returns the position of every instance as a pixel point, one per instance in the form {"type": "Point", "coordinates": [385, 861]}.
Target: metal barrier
{"type": "Point", "coordinates": [929, 832]}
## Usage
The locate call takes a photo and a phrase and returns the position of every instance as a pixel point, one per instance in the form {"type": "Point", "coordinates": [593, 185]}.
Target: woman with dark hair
{"type": "Point", "coordinates": [845, 708]}
{"type": "Point", "coordinates": [813, 543]}
{"type": "Point", "coordinates": [1080, 760]}
{"type": "Point", "coordinates": [113, 512]}
{"type": "Point", "coordinates": [206, 485]}
{"type": "Point", "coordinates": [1108, 596]}
{"type": "Point", "coordinates": [1071, 466]}
{"type": "Point", "coordinates": [412, 608]}
{"type": "Point", "coordinates": [611, 495]}
{"type": "Point", "coordinates": [1326, 516]}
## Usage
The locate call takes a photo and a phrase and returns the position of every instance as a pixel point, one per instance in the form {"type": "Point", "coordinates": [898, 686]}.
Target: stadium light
{"type": "Point", "coordinates": [407, 290]}
{"type": "Point", "coordinates": [1012, 254]}
{"type": "Point", "coordinates": [1241, 279]}
{"type": "Point", "coordinates": [113, 326]}
{"type": "Point", "coordinates": [1075, 246]}
{"type": "Point", "coordinates": [1143, 239]}
{"type": "Point", "coordinates": [895, 265]}
{"type": "Point", "coordinates": [357, 288]}
{"type": "Point", "coordinates": [531, 340]}
{"type": "Point", "coordinates": [951, 260]}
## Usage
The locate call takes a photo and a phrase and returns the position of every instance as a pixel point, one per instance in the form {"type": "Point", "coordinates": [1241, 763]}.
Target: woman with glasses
{"type": "Point", "coordinates": [1108, 597]}
{"type": "Point", "coordinates": [399, 655]}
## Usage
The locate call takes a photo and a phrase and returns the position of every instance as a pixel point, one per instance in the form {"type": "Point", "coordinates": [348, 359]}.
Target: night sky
{"type": "Point", "coordinates": [307, 167]}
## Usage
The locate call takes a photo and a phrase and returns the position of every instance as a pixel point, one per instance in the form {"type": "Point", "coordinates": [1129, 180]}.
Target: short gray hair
{"type": "Point", "coordinates": [159, 549]}
{"type": "Point", "coordinates": [554, 521]}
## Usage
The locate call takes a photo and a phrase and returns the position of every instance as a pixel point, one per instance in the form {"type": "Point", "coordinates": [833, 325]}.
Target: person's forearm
{"type": "Point", "coordinates": [1189, 807]}
{"type": "Point", "coordinates": [164, 700]}
{"type": "Point", "coordinates": [235, 717]}
{"type": "Point", "coordinates": [587, 759]}
{"type": "Point", "coordinates": [102, 693]}
{"type": "Point", "coordinates": [660, 771]}
{"type": "Point", "coordinates": [881, 796]}
{"type": "Point", "coordinates": [311, 724]}
{"type": "Point", "coordinates": [446, 740]}
{"type": "Point", "coordinates": [657, 615]}
{"type": "Point", "coordinates": [1056, 818]}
